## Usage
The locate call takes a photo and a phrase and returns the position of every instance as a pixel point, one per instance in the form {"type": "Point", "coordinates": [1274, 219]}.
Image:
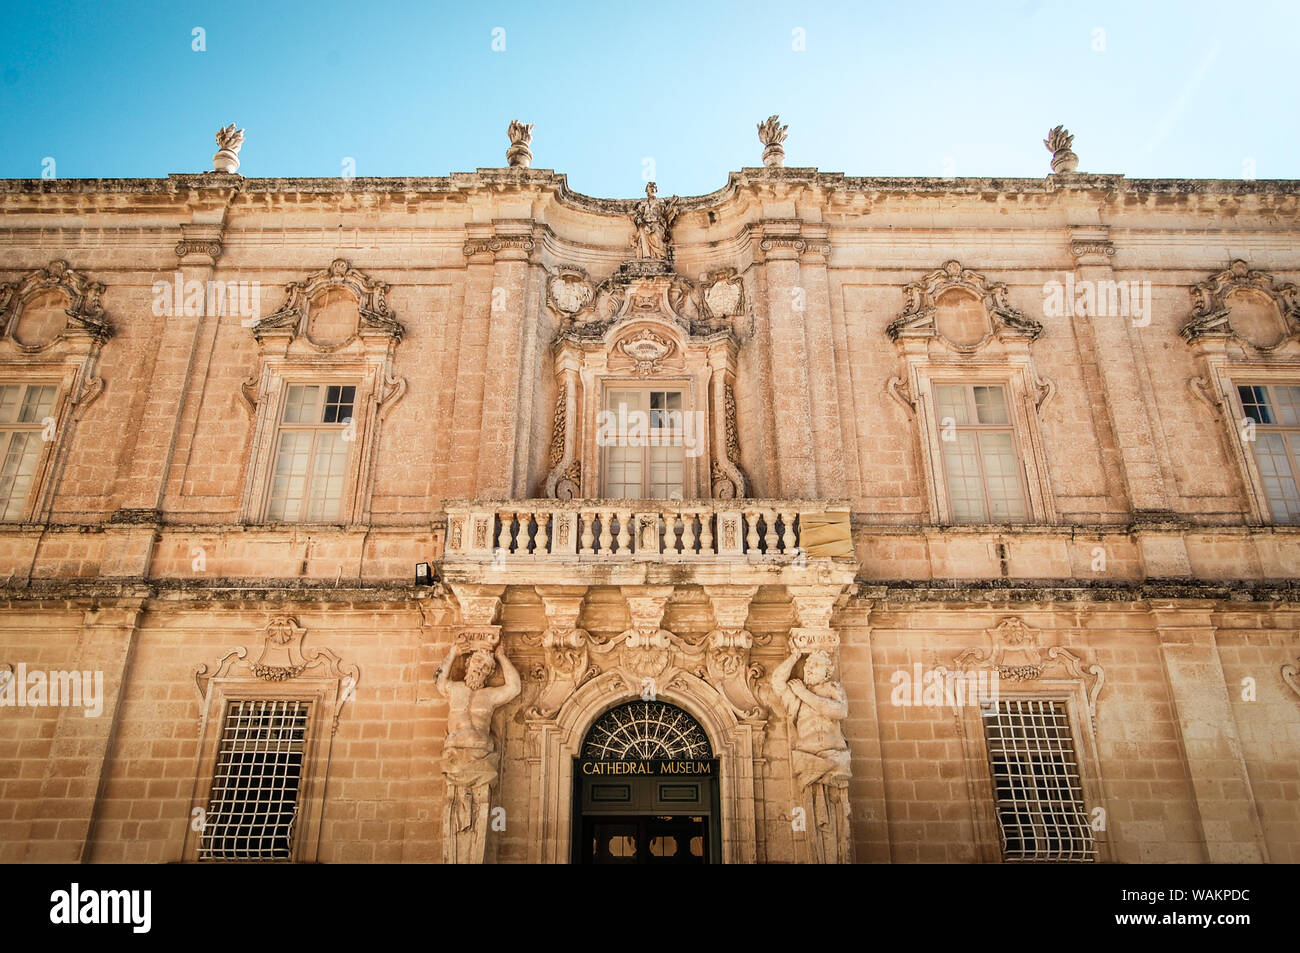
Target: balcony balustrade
{"type": "Point", "coordinates": [563, 531]}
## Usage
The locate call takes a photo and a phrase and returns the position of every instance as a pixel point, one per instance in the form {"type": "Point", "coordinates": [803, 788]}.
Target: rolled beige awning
{"type": "Point", "coordinates": [825, 534]}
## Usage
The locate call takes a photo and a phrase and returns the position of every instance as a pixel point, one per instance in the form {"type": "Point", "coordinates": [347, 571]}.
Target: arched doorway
{"type": "Point", "coordinates": [646, 789]}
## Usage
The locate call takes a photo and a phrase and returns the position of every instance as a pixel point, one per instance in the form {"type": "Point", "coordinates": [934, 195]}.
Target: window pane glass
{"type": "Point", "coordinates": [17, 469]}
{"type": "Point", "coordinates": [665, 473]}
{"type": "Point", "coordinates": [950, 401]}
{"type": "Point", "coordinates": [991, 405]}
{"type": "Point", "coordinates": [338, 403]}
{"type": "Point", "coordinates": [1287, 403]}
{"type": "Point", "coordinates": [9, 395]}
{"type": "Point", "coordinates": [623, 467]}
{"type": "Point", "coordinates": [961, 459]}
{"type": "Point", "coordinates": [289, 477]}
{"type": "Point", "coordinates": [328, 473]}
{"type": "Point", "coordinates": [1002, 476]}
{"type": "Point", "coordinates": [301, 405]}
{"type": "Point", "coordinates": [629, 398]}
{"type": "Point", "coordinates": [1254, 401]}
{"type": "Point", "coordinates": [1275, 455]}
{"type": "Point", "coordinates": [38, 402]}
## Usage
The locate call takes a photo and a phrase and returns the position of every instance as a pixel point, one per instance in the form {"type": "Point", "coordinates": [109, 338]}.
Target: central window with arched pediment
{"type": "Point", "coordinates": [645, 731]}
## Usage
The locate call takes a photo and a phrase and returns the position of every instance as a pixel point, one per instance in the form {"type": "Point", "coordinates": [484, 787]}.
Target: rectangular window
{"type": "Point", "coordinates": [1036, 782]}
{"type": "Point", "coordinates": [311, 454]}
{"type": "Point", "coordinates": [1275, 409]}
{"type": "Point", "coordinates": [23, 408]}
{"type": "Point", "coordinates": [982, 466]}
{"type": "Point", "coordinates": [643, 441]}
{"type": "Point", "coordinates": [254, 799]}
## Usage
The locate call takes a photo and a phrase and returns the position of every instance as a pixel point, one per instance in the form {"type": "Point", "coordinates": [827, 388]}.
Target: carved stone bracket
{"type": "Point", "coordinates": [897, 388]}
{"type": "Point", "coordinates": [1291, 675]}
{"type": "Point", "coordinates": [728, 647]}
{"type": "Point", "coordinates": [521, 244]}
{"type": "Point", "coordinates": [650, 656]}
{"type": "Point", "coordinates": [567, 661]}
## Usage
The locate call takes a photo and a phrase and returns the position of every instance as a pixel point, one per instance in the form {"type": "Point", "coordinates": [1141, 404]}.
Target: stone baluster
{"type": "Point", "coordinates": [751, 537]}
{"type": "Point", "coordinates": [624, 531]}
{"type": "Point", "coordinates": [503, 534]}
{"type": "Point", "coordinates": [588, 518]}
{"type": "Point", "coordinates": [523, 518]}
{"type": "Point", "coordinates": [788, 542]}
{"type": "Point", "coordinates": [541, 543]}
{"type": "Point", "coordinates": [688, 532]}
{"type": "Point", "coordinates": [769, 532]}
{"type": "Point", "coordinates": [706, 532]}
{"type": "Point", "coordinates": [606, 531]}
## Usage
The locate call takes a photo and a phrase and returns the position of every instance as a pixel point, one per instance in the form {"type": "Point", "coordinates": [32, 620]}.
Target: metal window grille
{"type": "Point", "coordinates": [254, 800]}
{"type": "Point", "coordinates": [1036, 781]}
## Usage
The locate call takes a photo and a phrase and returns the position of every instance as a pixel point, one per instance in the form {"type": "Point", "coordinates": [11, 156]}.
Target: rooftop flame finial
{"type": "Point", "coordinates": [521, 134]}
{"type": "Point", "coordinates": [229, 141]}
{"type": "Point", "coordinates": [771, 133]}
{"type": "Point", "coordinates": [1058, 143]}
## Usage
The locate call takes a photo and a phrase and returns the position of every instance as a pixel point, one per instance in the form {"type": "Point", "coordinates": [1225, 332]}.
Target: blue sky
{"type": "Point", "coordinates": [1177, 90]}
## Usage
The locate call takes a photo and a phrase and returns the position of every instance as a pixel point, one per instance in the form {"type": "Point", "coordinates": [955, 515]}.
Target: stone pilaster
{"type": "Point", "coordinates": [782, 337]}
{"type": "Point", "coordinates": [1224, 799]}
{"type": "Point", "coordinates": [511, 366]}
{"type": "Point", "coordinates": [76, 770]}
{"type": "Point", "coordinates": [1130, 406]}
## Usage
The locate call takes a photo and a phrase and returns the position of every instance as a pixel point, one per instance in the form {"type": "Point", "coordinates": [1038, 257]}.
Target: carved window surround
{"type": "Point", "coordinates": [638, 329]}
{"type": "Point", "coordinates": [282, 670]}
{"type": "Point", "coordinates": [1216, 388]}
{"type": "Point", "coordinates": [65, 355]}
{"type": "Point", "coordinates": [1028, 669]}
{"type": "Point", "coordinates": [293, 351]}
{"type": "Point", "coordinates": [1228, 356]}
{"type": "Point", "coordinates": [1001, 356]}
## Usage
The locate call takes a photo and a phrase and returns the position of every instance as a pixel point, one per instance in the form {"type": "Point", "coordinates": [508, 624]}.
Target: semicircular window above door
{"type": "Point", "coordinates": [645, 730]}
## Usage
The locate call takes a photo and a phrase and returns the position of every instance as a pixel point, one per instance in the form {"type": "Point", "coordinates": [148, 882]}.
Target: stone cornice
{"type": "Point", "coordinates": [545, 180]}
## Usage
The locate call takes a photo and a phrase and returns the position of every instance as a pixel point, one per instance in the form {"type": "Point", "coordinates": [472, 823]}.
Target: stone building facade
{"type": "Point", "coordinates": [816, 519]}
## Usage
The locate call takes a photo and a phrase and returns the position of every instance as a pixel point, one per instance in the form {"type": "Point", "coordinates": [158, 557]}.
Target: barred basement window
{"type": "Point", "coordinates": [1036, 782]}
{"type": "Point", "coordinates": [254, 800]}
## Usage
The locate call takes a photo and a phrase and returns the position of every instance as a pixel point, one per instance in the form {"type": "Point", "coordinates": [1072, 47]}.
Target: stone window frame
{"type": "Point", "coordinates": [289, 356]}
{"type": "Point", "coordinates": [1025, 397]}
{"type": "Point", "coordinates": [266, 436]}
{"type": "Point", "coordinates": [694, 469]}
{"type": "Point", "coordinates": [69, 361]}
{"type": "Point", "coordinates": [283, 671]}
{"type": "Point", "coordinates": [321, 695]}
{"type": "Point", "coordinates": [1219, 393]}
{"type": "Point", "coordinates": [979, 772]}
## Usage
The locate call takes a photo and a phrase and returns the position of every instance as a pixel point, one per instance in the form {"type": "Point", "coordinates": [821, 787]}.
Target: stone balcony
{"type": "Point", "coordinates": [625, 542]}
